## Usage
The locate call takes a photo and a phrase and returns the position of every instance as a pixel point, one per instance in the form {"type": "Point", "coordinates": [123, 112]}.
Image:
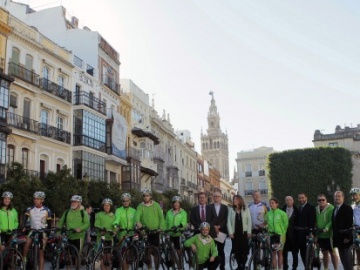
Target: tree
{"type": "Point", "coordinates": [310, 171]}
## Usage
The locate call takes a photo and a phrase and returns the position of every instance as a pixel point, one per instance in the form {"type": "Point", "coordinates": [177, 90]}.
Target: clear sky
{"type": "Point", "coordinates": [279, 69]}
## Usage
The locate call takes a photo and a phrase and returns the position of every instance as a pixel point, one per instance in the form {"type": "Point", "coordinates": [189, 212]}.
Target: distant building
{"type": "Point", "coordinates": [214, 144]}
{"type": "Point", "coordinates": [252, 173]}
{"type": "Point", "coordinates": [348, 138]}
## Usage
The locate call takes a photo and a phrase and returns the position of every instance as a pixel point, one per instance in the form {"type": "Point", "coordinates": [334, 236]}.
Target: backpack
{"type": "Point", "coordinates": [82, 215]}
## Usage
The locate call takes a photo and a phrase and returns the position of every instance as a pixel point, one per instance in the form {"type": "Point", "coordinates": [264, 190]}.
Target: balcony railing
{"type": "Point", "coordinates": [23, 123]}
{"type": "Point", "coordinates": [55, 89]}
{"type": "Point", "coordinates": [133, 153]}
{"type": "Point", "coordinates": [55, 133]}
{"type": "Point", "coordinates": [110, 82]}
{"type": "Point", "coordinates": [263, 191]}
{"type": "Point", "coordinates": [24, 74]}
{"type": "Point", "coordinates": [84, 98]}
{"type": "Point", "coordinates": [89, 142]}
{"type": "Point", "coordinates": [248, 174]}
{"type": "Point", "coordinates": [248, 192]}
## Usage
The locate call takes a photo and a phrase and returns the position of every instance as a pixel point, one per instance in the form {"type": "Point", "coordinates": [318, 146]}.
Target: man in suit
{"type": "Point", "coordinates": [306, 219]}
{"type": "Point", "coordinates": [202, 213]}
{"type": "Point", "coordinates": [342, 219]}
{"type": "Point", "coordinates": [220, 213]}
{"type": "Point", "coordinates": [291, 243]}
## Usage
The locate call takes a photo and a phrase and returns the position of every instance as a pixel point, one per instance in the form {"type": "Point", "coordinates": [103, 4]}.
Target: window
{"type": "Point", "coordinates": [44, 117]}
{"type": "Point", "coordinates": [4, 101]}
{"type": "Point", "coordinates": [26, 113]}
{"type": "Point", "coordinates": [261, 169]}
{"type": "Point", "coordinates": [28, 66]}
{"type": "Point", "coordinates": [90, 164]}
{"type": "Point", "coordinates": [60, 123]}
{"type": "Point", "coordinates": [11, 154]}
{"type": "Point", "coordinates": [61, 82]}
{"type": "Point", "coordinates": [15, 56]}
{"type": "Point", "coordinates": [262, 187]}
{"type": "Point", "coordinates": [46, 73]}
{"type": "Point", "coordinates": [248, 170]}
{"type": "Point", "coordinates": [25, 158]}
{"type": "Point", "coordinates": [249, 188]}
{"type": "Point", "coordinates": [333, 144]}
{"type": "Point", "coordinates": [2, 148]}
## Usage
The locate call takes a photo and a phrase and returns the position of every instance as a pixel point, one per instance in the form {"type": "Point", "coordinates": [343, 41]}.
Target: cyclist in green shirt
{"type": "Point", "coordinates": [204, 246]}
{"type": "Point", "coordinates": [75, 219]}
{"type": "Point", "coordinates": [105, 220]}
{"type": "Point", "coordinates": [8, 218]}
{"type": "Point", "coordinates": [149, 214]}
{"type": "Point", "coordinates": [125, 215]}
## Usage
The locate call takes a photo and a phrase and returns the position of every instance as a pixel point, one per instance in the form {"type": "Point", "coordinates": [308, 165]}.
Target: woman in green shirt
{"type": "Point", "coordinates": [8, 218]}
{"type": "Point", "coordinates": [105, 220]}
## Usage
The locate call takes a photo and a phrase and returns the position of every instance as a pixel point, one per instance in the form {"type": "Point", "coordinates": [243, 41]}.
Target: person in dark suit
{"type": "Point", "coordinates": [342, 219]}
{"type": "Point", "coordinates": [306, 219]}
{"type": "Point", "coordinates": [202, 213]}
{"type": "Point", "coordinates": [291, 243]}
{"type": "Point", "coordinates": [220, 214]}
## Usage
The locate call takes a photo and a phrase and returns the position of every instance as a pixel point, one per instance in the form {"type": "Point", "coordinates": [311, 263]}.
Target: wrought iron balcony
{"type": "Point", "coordinates": [23, 123]}
{"type": "Point", "coordinates": [110, 83]}
{"type": "Point", "coordinates": [24, 74]}
{"type": "Point", "coordinates": [263, 191]}
{"type": "Point", "coordinates": [84, 98]}
{"type": "Point", "coordinates": [89, 142]}
{"type": "Point", "coordinates": [249, 192]}
{"type": "Point", "coordinates": [55, 133]}
{"type": "Point", "coordinates": [55, 89]}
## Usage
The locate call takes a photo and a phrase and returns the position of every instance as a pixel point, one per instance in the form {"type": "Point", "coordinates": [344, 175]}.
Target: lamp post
{"type": "Point", "coordinates": [332, 187]}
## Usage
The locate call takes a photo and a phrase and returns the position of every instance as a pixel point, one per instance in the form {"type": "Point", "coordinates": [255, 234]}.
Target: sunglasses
{"type": "Point", "coordinates": [146, 195]}
{"type": "Point", "coordinates": [125, 201]}
{"type": "Point", "coordinates": [321, 200]}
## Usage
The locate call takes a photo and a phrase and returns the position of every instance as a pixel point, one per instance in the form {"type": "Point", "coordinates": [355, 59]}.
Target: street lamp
{"type": "Point", "coordinates": [331, 188]}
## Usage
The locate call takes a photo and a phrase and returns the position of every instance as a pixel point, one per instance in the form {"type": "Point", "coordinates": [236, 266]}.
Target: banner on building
{"type": "Point", "coordinates": [119, 131]}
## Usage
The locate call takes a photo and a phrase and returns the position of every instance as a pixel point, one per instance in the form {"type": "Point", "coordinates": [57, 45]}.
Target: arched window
{"type": "Point", "coordinates": [59, 164]}
{"type": "Point", "coordinates": [46, 73]}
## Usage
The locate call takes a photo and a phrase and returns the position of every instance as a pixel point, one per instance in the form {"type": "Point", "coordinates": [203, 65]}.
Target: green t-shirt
{"type": "Point", "coordinates": [74, 220]}
{"type": "Point", "coordinates": [205, 247]}
{"type": "Point", "coordinates": [150, 215]}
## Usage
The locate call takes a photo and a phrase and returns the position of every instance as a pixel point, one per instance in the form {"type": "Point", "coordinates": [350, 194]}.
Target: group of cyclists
{"type": "Point", "coordinates": [242, 223]}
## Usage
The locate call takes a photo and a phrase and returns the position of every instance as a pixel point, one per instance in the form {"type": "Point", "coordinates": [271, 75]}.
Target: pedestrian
{"type": "Point", "coordinates": [342, 220]}
{"type": "Point", "coordinates": [258, 210]}
{"type": "Point", "coordinates": [202, 213]}
{"type": "Point", "coordinates": [306, 219]}
{"type": "Point", "coordinates": [239, 229]}
{"type": "Point", "coordinates": [291, 243]}
{"type": "Point", "coordinates": [277, 222]}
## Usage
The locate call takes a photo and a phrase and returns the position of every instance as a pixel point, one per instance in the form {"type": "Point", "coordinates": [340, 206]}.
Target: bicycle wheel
{"type": "Point", "coordinates": [193, 262]}
{"type": "Point", "coordinates": [12, 259]}
{"type": "Point", "coordinates": [87, 255]}
{"type": "Point", "coordinates": [354, 256]}
{"type": "Point", "coordinates": [68, 258]}
{"type": "Point", "coordinates": [261, 259]}
{"type": "Point", "coordinates": [232, 262]}
{"type": "Point", "coordinates": [309, 256]}
{"type": "Point", "coordinates": [35, 257]}
{"type": "Point", "coordinates": [108, 258]}
{"type": "Point", "coordinates": [151, 258]}
{"type": "Point", "coordinates": [130, 258]}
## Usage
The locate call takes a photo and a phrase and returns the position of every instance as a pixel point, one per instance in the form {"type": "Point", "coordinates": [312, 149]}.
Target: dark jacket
{"type": "Point", "coordinates": [195, 218]}
{"type": "Point", "coordinates": [342, 221]}
{"type": "Point", "coordinates": [307, 216]}
{"type": "Point", "coordinates": [291, 233]}
{"type": "Point", "coordinates": [221, 219]}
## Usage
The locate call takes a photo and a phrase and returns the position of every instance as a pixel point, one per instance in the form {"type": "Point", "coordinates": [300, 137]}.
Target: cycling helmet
{"type": "Point", "coordinates": [176, 199]}
{"type": "Point", "coordinates": [203, 225]}
{"type": "Point", "coordinates": [107, 200]}
{"type": "Point", "coordinates": [7, 194]}
{"type": "Point", "coordinates": [76, 198]}
{"type": "Point", "coordinates": [126, 195]}
{"type": "Point", "coordinates": [146, 191]}
{"type": "Point", "coordinates": [39, 194]}
{"type": "Point", "coordinates": [354, 190]}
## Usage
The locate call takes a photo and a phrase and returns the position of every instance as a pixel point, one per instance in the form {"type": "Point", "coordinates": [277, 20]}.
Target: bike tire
{"type": "Point", "coordinates": [87, 255]}
{"type": "Point", "coordinates": [35, 256]}
{"type": "Point", "coordinates": [68, 258]}
{"type": "Point", "coordinates": [232, 262]}
{"type": "Point", "coordinates": [155, 253]}
{"type": "Point", "coordinates": [354, 251]}
{"type": "Point", "coordinates": [169, 257]}
{"type": "Point", "coordinates": [110, 257]}
{"type": "Point", "coordinates": [193, 261]}
{"type": "Point", "coordinates": [309, 257]}
{"type": "Point", "coordinates": [261, 259]}
{"type": "Point", "coordinates": [12, 258]}
{"type": "Point", "coordinates": [175, 258]}
{"type": "Point", "coordinates": [130, 257]}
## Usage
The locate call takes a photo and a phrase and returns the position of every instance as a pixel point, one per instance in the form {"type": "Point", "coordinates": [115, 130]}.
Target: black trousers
{"type": "Point", "coordinates": [291, 246]}
{"type": "Point", "coordinates": [344, 257]}
{"type": "Point", "coordinates": [210, 265]}
{"type": "Point", "coordinates": [221, 253]}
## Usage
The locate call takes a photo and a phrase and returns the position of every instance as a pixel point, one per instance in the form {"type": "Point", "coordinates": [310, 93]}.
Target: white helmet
{"type": "Point", "coordinates": [176, 199]}
{"type": "Point", "coordinates": [76, 198]}
{"type": "Point", "coordinates": [7, 194]}
{"type": "Point", "coordinates": [125, 195]}
{"type": "Point", "coordinates": [354, 190]}
{"type": "Point", "coordinates": [107, 200]}
{"type": "Point", "coordinates": [203, 225]}
{"type": "Point", "coordinates": [39, 194]}
{"type": "Point", "coordinates": [146, 191]}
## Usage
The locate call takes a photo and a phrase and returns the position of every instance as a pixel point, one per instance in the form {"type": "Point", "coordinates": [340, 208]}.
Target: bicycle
{"type": "Point", "coordinates": [312, 257]}
{"type": "Point", "coordinates": [149, 255]}
{"type": "Point", "coordinates": [128, 250]}
{"type": "Point", "coordinates": [64, 255]}
{"type": "Point", "coordinates": [354, 250]}
{"type": "Point", "coordinates": [106, 257]}
{"type": "Point", "coordinates": [12, 256]}
{"type": "Point", "coordinates": [188, 256]}
{"type": "Point", "coordinates": [262, 256]}
{"type": "Point", "coordinates": [168, 255]}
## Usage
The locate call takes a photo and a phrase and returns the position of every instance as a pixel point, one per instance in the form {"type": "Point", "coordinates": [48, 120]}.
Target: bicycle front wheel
{"type": "Point", "coordinates": [151, 258]}
{"type": "Point", "coordinates": [309, 257]}
{"type": "Point", "coordinates": [68, 258]}
{"type": "Point", "coordinates": [107, 258]}
{"type": "Point", "coordinates": [13, 259]}
{"type": "Point", "coordinates": [354, 257]}
{"type": "Point", "coordinates": [232, 262]}
{"type": "Point", "coordinates": [130, 258]}
{"type": "Point", "coordinates": [261, 259]}
{"type": "Point", "coordinates": [87, 255]}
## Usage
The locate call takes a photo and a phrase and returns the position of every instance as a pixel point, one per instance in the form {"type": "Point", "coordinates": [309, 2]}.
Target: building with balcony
{"type": "Point", "coordinates": [40, 108]}
{"type": "Point", "coordinates": [347, 137]}
{"type": "Point", "coordinates": [227, 192]}
{"type": "Point", "coordinates": [251, 167]}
